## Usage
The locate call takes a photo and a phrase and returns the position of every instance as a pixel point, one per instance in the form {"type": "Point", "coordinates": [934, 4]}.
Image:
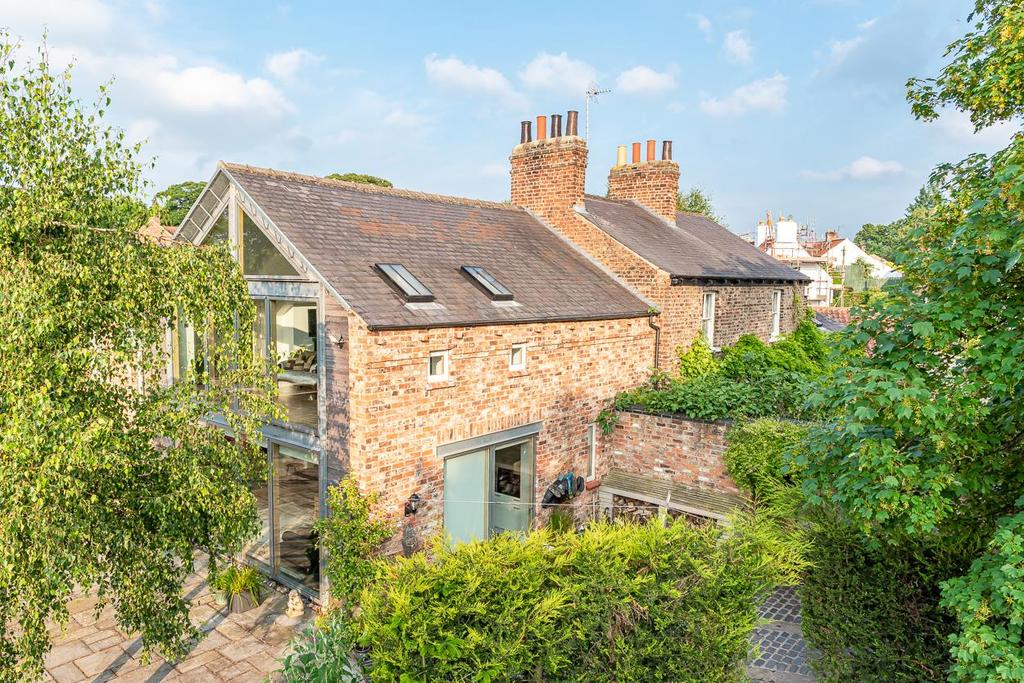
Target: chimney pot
{"type": "Point", "coordinates": [525, 132]}
{"type": "Point", "coordinates": [666, 150]}
{"type": "Point", "coordinates": [571, 122]}
{"type": "Point", "coordinates": [636, 152]}
{"type": "Point", "coordinates": [556, 125]}
{"type": "Point", "coordinates": [542, 127]}
{"type": "Point", "coordinates": [620, 156]}
{"type": "Point", "coordinates": [650, 150]}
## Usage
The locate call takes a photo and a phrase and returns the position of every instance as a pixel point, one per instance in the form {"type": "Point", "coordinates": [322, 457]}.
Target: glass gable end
{"type": "Point", "coordinates": [259, 255]}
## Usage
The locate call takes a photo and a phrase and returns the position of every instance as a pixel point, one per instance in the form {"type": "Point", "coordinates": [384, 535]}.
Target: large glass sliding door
{"type": "Point", "coordinates": [289, 503]}
{"type": "Point", "coordinates": [296, 502]}
{"type": "Point", "coordinates": [489, 491]}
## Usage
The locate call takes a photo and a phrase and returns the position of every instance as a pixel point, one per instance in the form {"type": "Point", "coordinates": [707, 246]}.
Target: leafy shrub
{"type": "Point", "coordinates": [751, 380]}
{"type": "Point", "coordinates": [615, 603]}
{"type": "Point", "coordinates": [350, 536]}
{"type": "Point", "coordinates": [760, 453]}
{"type": "Point", "coordinates": [323, 652]}
{"type": "Point", "coordinates": [697, 360]}
{"type": "Point", "coordinates": [872, 608]}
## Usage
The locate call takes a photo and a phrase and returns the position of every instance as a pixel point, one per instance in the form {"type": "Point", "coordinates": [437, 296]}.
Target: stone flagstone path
{"type": "Point", "coordinates": [237, 647]}
{"type": "Point", "coordinates": [783, 655]}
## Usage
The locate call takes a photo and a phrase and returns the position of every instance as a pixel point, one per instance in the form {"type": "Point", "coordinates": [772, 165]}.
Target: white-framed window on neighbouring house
{"type": "Point", "coordinates": [776, 313]}
{"type": "Point", "coordinates": [517, 357]}
{"type": "Point", "coordinates": [707, 318]}
{"type": "Point", "coordinates": [591, 452]}
{"type": "Point", "coordinates": [437, 366]}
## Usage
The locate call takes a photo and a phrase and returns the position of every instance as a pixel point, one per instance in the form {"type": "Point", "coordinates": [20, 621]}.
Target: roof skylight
{"type": "Point", "coordinates": [496, 290]}
{"type": "Point", "coordinates": [411, 288]}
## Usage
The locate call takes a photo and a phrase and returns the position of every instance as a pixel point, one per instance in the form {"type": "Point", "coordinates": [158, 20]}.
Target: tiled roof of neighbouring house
{"type": "Point", "coordinates": [344, 228]}
{"type": "Point", "coordinates": [694, 248]}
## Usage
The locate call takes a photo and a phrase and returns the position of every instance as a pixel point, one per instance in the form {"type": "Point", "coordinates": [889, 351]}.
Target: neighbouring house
{"type": "Point", "coordinates": [781, 241]}
{"type": "Point", "coordinates": [842, 252]}
{"type": "Point", "coordinates": [452, 355]}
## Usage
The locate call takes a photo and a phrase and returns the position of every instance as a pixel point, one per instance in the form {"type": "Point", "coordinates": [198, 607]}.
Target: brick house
{"type": "Point", "coordinates": [453, 354]}
{"type": "Point", "coordinates": [698, 275]}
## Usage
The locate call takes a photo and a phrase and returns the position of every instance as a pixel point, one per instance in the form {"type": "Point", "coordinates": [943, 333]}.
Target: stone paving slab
{"type": "Point", "coordinates": [236, 648]}
{"type": "Point", "coordinates": [783, 655]}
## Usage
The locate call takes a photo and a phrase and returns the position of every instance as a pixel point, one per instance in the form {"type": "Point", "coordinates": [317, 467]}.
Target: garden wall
{"type": "Point", "coordinates": [672, 447]}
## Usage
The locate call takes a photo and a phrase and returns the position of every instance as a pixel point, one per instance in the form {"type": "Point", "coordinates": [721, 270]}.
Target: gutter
{"type": "Point", "coordinates": [657, 337]}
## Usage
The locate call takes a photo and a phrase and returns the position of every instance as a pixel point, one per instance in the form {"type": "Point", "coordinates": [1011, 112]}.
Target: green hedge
{"type": "Point", "coordinates": [615, 603]}
{"type": "Point", "coordinates": [872, 609]}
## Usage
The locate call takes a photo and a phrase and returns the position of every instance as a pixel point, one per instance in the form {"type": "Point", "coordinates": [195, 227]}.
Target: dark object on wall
{"type": "Point", "coordinates": [412, 505]}
{"type": "Point", "coordinates": [564, 488]}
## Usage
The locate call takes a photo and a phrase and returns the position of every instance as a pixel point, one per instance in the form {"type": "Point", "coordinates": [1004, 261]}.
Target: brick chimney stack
{"type": "Point", "coordinates": [651, 182]}
{"type": "Point", "coordinates": [548, 172]}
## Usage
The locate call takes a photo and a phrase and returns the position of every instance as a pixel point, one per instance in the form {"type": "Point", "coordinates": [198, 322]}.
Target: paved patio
{"type": "Point", "coordinates": [237, 647]}
{"type": "Point", "coordinates": [784, 656]}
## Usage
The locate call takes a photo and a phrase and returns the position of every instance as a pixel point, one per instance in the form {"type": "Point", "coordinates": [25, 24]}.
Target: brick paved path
{"type": "Point", "coordinates": [783, 655]}
{"type": "Point", "coordinates": [238, 647]}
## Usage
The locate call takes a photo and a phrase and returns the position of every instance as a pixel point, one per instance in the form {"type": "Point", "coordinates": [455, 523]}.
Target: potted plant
{"type": "Point", "coordinates": [241, 588]}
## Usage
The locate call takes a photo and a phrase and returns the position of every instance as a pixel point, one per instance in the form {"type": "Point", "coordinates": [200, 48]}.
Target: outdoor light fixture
{"type": "Point", "coordinates": [412, 505]}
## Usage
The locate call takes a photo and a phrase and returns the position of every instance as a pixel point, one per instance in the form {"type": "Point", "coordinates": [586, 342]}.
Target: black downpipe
{"type": "Point", "coordinates": [657, 339]}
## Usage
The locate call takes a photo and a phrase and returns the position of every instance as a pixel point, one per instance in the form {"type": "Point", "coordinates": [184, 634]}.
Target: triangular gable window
{"type": "Point", "coordinates": [259, 255]}
{"type": "Point", "coordinates": [218, 234]}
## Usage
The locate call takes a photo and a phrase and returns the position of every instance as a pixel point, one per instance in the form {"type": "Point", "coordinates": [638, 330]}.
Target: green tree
{"type": "Point", "coordinates": [698, 201]}
{"type": "Point", "coordinates": [929, 443]}
{"type": "Point", "coordinates": [173, 202]}
{"type": "Point", "coordinates": [108, 480]}
{"type": "Point", "coordinates": [881, 239]}
{"type": "Point", "coordinates": [361, 178]}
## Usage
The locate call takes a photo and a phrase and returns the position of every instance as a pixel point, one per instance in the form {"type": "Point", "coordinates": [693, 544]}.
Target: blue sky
{"type": "Point", "coordinates": [794, 106]}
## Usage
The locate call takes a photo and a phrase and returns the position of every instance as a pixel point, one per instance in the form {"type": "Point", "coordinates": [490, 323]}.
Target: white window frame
{"type": "Point", "coordinates": [512, 365]}
{"type": "Point", "coordinates": [591, 452]}
{"type": "Point", "coordinates": [707, 322]}
{"type": "Point", "coordinates": [776, 314]}
{"type": "Point", "coordinates": [445, 365]}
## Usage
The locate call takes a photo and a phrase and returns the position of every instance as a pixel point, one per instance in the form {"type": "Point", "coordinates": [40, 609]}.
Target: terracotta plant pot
{"type": "Point", "coordinates": [242, 602]}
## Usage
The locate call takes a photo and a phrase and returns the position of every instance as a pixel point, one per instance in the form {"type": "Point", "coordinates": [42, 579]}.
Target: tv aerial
{"type": "Point", "coordinates": [592, 93]}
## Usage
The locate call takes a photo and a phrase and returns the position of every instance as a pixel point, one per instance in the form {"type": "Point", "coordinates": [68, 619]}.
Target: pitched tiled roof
{"type": "Point", "coordinates": [694, 248]}
{"type": "Point", "coordinates": [343, 229]}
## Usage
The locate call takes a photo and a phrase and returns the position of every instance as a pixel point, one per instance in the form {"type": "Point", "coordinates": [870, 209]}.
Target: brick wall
{"type": "Point", "coordinates": [670, 447]}
{"type": "Point", "coordinates": [336, 389]}
{"type": "Point", "coordinates": [654, 184]}
{"type": "Point", "coordinates": [398, 419]}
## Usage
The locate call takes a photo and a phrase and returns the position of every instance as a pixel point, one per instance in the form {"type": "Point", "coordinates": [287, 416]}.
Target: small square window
{"type": "Point", "coordinates": [437, 366]}
{"type": "Point", "coordinates": [517, 357]}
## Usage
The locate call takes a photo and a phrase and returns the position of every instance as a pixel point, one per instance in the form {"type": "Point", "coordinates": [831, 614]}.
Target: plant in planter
{"type": "Point", "coordinates": [242, 587]}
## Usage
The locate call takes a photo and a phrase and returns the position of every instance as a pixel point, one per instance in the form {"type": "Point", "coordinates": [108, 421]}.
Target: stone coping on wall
{"type": "Point", "coordinates": [637, 409]}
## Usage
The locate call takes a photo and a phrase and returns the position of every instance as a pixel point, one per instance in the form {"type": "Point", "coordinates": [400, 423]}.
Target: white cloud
{"type": "Point", "coordinates": [210, 89]}
{"type": "Point", "coordinates": [83, 17]}
{"type": "Point", "coordinates": [703, 25]}
{"type": "Point", "coordinates": [839, 50]}
{"type": "Point", "coordinates": [454, 74]}
{"type": "Point", "coordinates": [955, 126]}
{"type": "Point", "coordinates": [868, 25]}
{"type": "Point", "coordinates": [738, 46]}
{"type": "Point", "coordinates": [644, 79]}
{"type": "Point", "coordinates": [156, 9]}
{"type": "Point", "coordinates": [767, 94]}
{"type": "Point", "coordinates": [285, 65]}
{"type": "Point", "coordinates": [558, 72]}
{"type": "Point", "coordinates": [141, 130]}
{"type": "Point", "coordinates": [402, 117]}
{"type": "Point", "coordinates": [861, 168]}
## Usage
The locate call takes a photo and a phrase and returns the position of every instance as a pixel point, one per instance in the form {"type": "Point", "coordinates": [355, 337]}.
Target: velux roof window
{"type": "Point", "coordinates": [494, 289]}
{"type": "Point", "coordinates": [412, 289]}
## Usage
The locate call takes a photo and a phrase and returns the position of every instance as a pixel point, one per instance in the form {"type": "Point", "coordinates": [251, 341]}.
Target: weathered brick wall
{"type": "Point", "coordinates": [685, 451]}
{"type": "Point", "coordinates": [398, 418]}
{"type": "Point", "coordinates": [654, 184]}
